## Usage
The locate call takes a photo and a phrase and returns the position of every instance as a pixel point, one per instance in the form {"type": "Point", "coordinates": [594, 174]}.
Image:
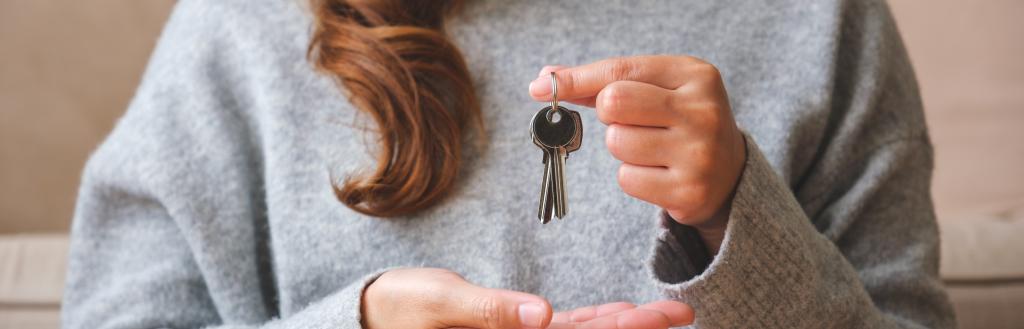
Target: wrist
{"type": "Point", "coordinates": [712, 232]}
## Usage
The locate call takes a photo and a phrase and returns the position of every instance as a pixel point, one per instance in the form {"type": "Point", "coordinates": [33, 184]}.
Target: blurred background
{"type": "Point", "coordinates": [69, 69]}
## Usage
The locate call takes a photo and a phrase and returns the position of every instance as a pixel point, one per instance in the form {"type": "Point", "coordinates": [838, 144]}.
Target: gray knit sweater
{"type": "Point", "coordinates": [210, 204]}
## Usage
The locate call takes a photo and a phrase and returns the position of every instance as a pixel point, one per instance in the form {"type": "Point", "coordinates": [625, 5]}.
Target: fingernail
{"type": "Point", "coordinates": [540, 87]}
{"type": "Point", "coordinates": [531, 315]}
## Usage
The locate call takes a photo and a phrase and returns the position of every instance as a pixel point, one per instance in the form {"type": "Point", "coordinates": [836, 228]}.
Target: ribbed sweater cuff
{"type": "Point", "coordinates": [765, 265]}
{"type": "Point", "coordinates": [681, 253]}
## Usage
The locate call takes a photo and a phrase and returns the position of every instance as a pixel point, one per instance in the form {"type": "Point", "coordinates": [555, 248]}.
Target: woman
{"type": "Point", "coordinates": [368, 164]}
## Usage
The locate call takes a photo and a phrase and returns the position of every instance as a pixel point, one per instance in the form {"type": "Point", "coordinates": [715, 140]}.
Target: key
{"type": "Point", "coordinates": [575, 144]}
{"type": "Point", "coordinates": [556, 132]}
{"type": "Point", "coordinates": [545, 209]}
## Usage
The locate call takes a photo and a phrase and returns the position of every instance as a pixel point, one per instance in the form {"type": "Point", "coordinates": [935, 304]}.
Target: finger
{"type": "Point", "coordinates": [547, 69]}
{"type": "Point", "coordinates": [642, 146]}
{"type": "Point", "coordinates": [638, 103]}
{"type": "Point", "coordinates": [586, 101]}
{"type": "Point", "coordinates": [656, 315]}
{"type": "Point", "coordinates": [561, 317]}
{"type": "Point", "coordinates": [629, 319]}
{"type": "Point", "coordinates": [668, 72]}
{"type": "Point", "coordinates": [651, 184]}
{"type": "Point", "coordinates": [483, 308]}
{"type": "Point", "coordinates": [586, 313]}
{"type": "Point", "coordinates": [679, 314]}
{"type": "Point", "coordinates": [562, 325]}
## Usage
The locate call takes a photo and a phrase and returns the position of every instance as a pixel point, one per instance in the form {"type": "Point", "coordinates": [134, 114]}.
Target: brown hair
{"type": "Point", "coordinates": [399, 67]}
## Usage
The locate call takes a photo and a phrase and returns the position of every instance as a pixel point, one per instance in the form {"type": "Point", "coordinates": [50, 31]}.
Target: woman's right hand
{"type": "Point", "coordinates": [429, 298]}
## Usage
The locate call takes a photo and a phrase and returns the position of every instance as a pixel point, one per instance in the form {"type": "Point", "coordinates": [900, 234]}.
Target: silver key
{"type": "Point", "coordinates": [557, 131]}
{"type": "Point", "coordinates": [573, 145]}
{"type": "Point", "coordinates": [545, 207]}
{"type": "Point", "coordinates": [551, 137]}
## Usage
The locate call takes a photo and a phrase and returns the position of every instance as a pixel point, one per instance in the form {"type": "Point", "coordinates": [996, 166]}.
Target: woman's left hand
{"type": "Point", "coordinates": [670, 123]}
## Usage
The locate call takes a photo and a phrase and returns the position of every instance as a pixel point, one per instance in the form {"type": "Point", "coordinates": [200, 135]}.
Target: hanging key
{"type": "Point", "coordinates": [557, 131]}
{"type": "Point", "coordinates": [553, 130]}
{"type": "Point", "coordinates": [545, 206]}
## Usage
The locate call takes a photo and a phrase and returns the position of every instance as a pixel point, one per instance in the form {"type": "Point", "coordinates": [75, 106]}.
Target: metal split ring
{"type": "Point", "coordinates": [554, 92]}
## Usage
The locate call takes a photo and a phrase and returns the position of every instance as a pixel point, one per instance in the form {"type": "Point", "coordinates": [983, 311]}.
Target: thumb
{"type": "Point", "coordinates": [483, 308]}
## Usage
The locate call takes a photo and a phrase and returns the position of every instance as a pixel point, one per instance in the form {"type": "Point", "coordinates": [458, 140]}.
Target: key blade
{"type": "Point", "coordinates": [562, 203]}
{"type": "Point", "coordinates": [544, 207]}
{"type": "Point", "coordinates": [552, 187]}
{"type": "Point", "coordinates": [548, 206]}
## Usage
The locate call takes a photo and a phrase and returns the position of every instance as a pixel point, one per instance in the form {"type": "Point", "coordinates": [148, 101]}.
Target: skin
{"type": "Point", "coordinates": [430, 298]}
{"type": "Point", "coordinates": [670, 124]}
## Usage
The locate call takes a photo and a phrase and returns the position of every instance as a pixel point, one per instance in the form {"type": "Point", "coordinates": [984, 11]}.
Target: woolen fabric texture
{"type": "Point", "coordinates": [210, 204]}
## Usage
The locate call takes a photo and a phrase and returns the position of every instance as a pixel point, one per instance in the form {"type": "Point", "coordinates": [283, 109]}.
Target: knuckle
{"type": "Point", "coordinates": [432, 296]}
{"type": "Point", "coordinates": [707, 70]}
{"type": "Point", "coordinates": [613, 140]}
{"type": "Point", "coordinates": [616, 90]}
{"type": "Point", "coordinates": [625, 180]}
{"type": "Point", "coordinates": [569, 81]}
{"type": "Point", "coordinates": [446, 274]}
{"type": "Point", "coordinates": [682, 208]}
{"type": "Point", "coordinates": [689, 202]}
{"type": "Point", "coordinates": [605, 115]}
{"type": "Point", "coordinates": [433, 289]}
{"type": "Point", "coordinates": [674, 102]}
{"type": "Point", "coordinates": [488, 310]}
{"type": "Point", "coordinates": [711, 121]}
{"type": "Point", "coordinates": [621, 68]}
{"type": "Point", "coordinates": [610, 102]}
{"type": "Point", "coordinates": [685, 59]}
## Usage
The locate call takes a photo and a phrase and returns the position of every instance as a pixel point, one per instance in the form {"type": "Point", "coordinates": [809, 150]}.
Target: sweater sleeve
{"type": "Point", "coordinates": [847, 241]}
{"type": "Point", "coordinates": [776, 270]}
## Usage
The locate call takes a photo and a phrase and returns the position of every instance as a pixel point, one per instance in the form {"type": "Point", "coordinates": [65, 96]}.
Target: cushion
{"type": "Point", "coordinates": [985, 246]}
{"type": "Point", "coordinates": [31, 279]}
{"type": "Point", "coordinates": [983, 267]}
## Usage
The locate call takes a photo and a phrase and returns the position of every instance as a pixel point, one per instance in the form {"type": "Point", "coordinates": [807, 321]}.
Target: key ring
{"type": "Point", "coordinates": [554, 92]}
{"type": "Point", "coordinates": [554, 100]}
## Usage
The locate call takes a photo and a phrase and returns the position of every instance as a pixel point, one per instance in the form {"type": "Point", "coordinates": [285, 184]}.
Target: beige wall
{"type": "Point", "coordinates": [69, 68]}
{"type": "Point", "coordinates": [969, 57]}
